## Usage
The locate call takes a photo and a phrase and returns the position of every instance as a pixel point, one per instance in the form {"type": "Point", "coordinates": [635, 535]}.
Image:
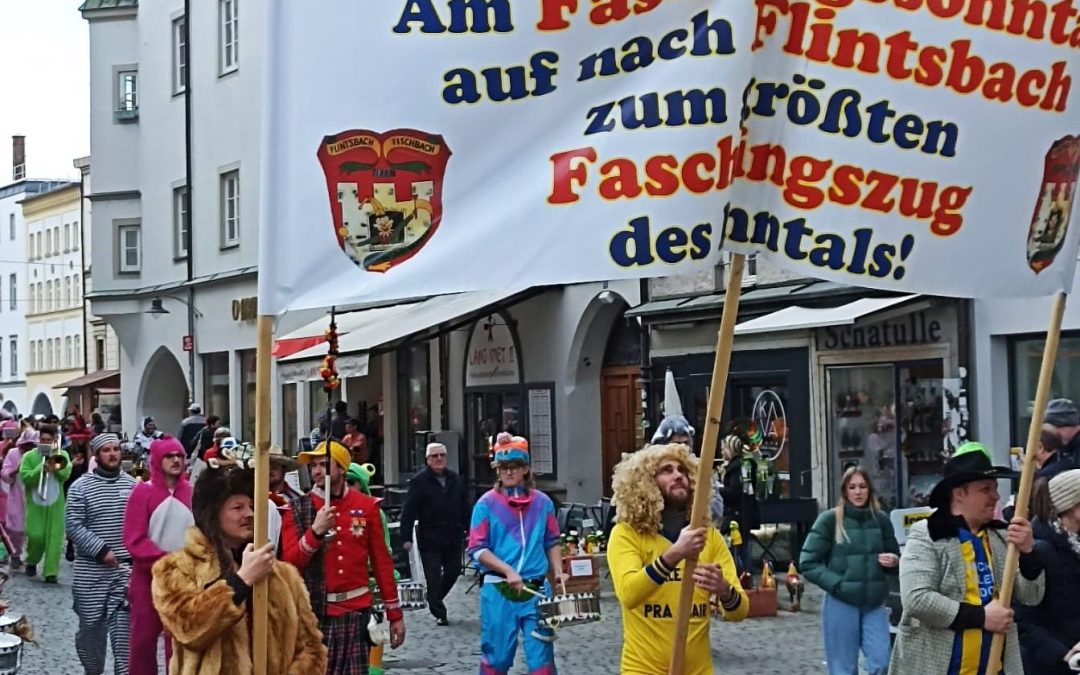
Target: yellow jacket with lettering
{"type": "Point", "coordinates": [649, 602]}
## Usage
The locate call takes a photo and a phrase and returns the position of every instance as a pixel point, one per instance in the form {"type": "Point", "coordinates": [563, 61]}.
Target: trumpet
{"type": "Point", "coordinates": [54, 461]}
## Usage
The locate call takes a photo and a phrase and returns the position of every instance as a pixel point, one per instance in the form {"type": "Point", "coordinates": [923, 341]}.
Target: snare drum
{"type": "Point", "coordinates": [7, 623]}
{"type": "Point", "coordinates": [573, 609]}
{"type": "Point", "coordinates": [10, 654]}
{"type": "Point", "coordinates": [413, 595]}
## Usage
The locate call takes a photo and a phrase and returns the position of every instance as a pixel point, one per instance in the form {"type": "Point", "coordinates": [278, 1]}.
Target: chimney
{"type": "Point", "coordinates": [18, 157]}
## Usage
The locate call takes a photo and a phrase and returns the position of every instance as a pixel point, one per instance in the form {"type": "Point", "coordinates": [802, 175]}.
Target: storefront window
{"type": "Point", "coordinates": [320, 404]}
{"type": "Point", "coordinates": [288, 418]}
{"type": "Point", "coordinates": [866, 427]}
{"type": "Point", "coordinates": [247, 396]}
{"type": "Point", "coordinates": [414, 389]}
{"type": "Point", "coordinates": [1026, 359]}
{"type": "Point", "coordinates": [216, 385]}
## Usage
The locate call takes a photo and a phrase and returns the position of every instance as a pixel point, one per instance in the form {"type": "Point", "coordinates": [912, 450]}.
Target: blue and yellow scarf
{"type": "Point", "coordinates": [971, 648]}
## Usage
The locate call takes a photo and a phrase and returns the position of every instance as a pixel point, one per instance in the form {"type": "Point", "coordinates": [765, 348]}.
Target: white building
{"type": "Point", "coordinates": [14, 280]}
{"type": "Point", "coordinates": [165, 291]}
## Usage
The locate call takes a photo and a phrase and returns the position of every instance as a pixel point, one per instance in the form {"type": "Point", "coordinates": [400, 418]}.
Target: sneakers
{"type": "Point", "coordinates": [31, 570]}
{"type": "Point", "coordinates": [16, 564]}
{"type": "Point", "coordinates": [441, 621]}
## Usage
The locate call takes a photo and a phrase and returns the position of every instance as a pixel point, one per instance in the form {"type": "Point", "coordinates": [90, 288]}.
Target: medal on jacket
{"type": "Point", "coordinates": [358, 523]}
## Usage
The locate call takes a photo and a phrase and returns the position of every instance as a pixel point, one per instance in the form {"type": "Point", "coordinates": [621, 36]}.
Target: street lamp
{"type": "Point", "coordinates": [157, 308]}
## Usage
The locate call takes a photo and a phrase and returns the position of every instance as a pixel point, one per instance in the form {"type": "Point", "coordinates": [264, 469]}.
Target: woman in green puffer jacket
{"type": "Point", "coordinates": [848, 553]}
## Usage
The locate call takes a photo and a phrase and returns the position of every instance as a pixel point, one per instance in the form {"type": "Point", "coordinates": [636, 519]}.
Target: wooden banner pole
{"type": "Point", "coordinates": [260, 597]}
{"type": "Point", "coordinates": [1027, 474]}
{"type": "Point", "coordinates": [699, 514]}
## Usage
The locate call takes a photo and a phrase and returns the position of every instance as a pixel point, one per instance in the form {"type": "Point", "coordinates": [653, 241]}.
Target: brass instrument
{"type": "Point", "coordinates": [54, 461]}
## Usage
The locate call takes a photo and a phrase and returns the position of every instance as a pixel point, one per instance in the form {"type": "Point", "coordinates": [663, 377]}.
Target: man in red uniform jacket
{"type": "Point", "coordinates": [331, 544]}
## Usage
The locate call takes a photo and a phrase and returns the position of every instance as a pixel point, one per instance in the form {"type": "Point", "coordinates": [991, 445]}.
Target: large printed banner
{"type": "Point", "coordinates": [417, 147]}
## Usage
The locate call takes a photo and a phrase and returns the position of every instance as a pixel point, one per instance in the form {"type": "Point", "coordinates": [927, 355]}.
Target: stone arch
{"type": "Point", "coordinates": [42, 405]}
{"type": "Point", "coordinates": [163, 392]}
{"type": "Point", "coordinates": [11, 407]}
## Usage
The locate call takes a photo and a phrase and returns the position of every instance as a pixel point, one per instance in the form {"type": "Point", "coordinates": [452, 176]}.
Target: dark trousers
{"type": "Point", "coordinates": [442, 567]}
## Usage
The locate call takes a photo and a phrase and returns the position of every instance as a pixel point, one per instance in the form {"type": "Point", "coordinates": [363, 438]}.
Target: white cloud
{"type": "Point", "coordinates": [44, 85]}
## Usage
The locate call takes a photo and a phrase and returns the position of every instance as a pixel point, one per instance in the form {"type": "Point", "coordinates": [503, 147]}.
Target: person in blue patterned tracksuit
{"type": "Point", "coordinates": [514, 537]}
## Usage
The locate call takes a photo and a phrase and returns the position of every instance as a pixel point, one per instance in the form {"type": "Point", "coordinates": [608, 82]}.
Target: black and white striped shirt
{"type": "Point", "coordinates": [94, 517]}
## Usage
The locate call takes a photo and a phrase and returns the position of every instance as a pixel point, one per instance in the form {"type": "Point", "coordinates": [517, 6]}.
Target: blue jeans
{"type": "Point", "coordinates": [847, 629]}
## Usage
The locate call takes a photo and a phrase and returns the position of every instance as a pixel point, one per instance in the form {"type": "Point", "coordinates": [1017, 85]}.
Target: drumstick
{"type": "Point", "coordinates": [536, 593]}
{"type": "Point", "coordinates": [526, 588]}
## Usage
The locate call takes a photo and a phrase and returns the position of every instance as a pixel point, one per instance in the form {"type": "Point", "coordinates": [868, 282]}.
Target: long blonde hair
{"type": "Point", "coordinates": [636, 497]}
{"type": "Point", "coordinates": [871, 499]}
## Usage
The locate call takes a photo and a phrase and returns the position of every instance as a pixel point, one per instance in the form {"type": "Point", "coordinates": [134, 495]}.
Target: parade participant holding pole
{"type": "Point", "coordinates": [514, 537]}
{"type": "Point", "coordinates": [332, 542]}
{"type": "Point", "coordinates": [43, 472]}
{"type": "Point", "coordinates": [951, 571]}
{"type": "Point", "coordinates": [156, 520]}
{"type": "Point", "coordinates": [203, 591]}
{"type": "Point", "coordinates": [653, 490]}
{"type": "Point", "coordinates": [95, 525]}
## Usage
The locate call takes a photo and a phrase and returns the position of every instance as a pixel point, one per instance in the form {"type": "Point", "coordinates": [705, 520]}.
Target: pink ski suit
{"type": "Point", "coordinates": [155, 522]}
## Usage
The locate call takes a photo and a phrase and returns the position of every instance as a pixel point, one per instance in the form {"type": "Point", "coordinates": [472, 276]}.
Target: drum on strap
{"type": "Point", "coordinates": [10, 653]}
{"type": "Point", "coordinates": [7, 624]}
{"type": "Point", "coordinates": [572, 609]}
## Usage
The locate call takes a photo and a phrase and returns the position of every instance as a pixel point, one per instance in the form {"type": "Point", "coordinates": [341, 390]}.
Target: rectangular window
{"type": "Point", "coordinates": [414, 389]}
{"type": "Point", "coordinates": [228, 35]}
{"type": "Point", "coordinates": [130, 248]}
{"type": "Point", "coordinates": [179, 39]}
{"type": "Point", "coordinates": [230, 209]}
{"type": "Point", "coordinates": [127, 94]}
{"type": "Point", "coordinates": [48, 242]}
{"type": "Point", "coordinates": [33, 355]}
{"type": "Point", "coordinates": [181, 204]}
{"type": "Point", "coordinates": [56, 353]}
{"type": "Point", "coordinates": [289, 438]}
{"type": "Point", "coordinates": [76, 356]}
{"type": "Point", "coordinates": [76, 290]}
{"type": "Point", "coordinates": [99, 353]}
{"type": "Point", "coordinates": [40, 355]}
{"type": "Point", "coordinates": [69, 357]}
{"type": "Point", "coordinates": [49, 354]}
{"type": "Point", "coordinates": [66, 300]}
{"type": "Point", "coordinates": [14, 356]}
{"type": "Point", "coordinates": [11, 226]}
{"type": "Point", "coordinates": [75, 236]}
{"type": "Point", "coordinates": [13, 290]}
{"type": "Point", "coordinates": [216, 383]}
{"type": "Point", "coordinates": [56, 240]}
{"type": "Point", "coordinates": [39, 246]}
{"type": "Point", "coordinates": [67, 237]}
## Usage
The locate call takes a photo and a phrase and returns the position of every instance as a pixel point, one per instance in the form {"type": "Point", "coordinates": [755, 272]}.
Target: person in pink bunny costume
{"type": "Point", "coordinates": [15, 517]}
{"type": "Point", "coordinates": [156, 520]}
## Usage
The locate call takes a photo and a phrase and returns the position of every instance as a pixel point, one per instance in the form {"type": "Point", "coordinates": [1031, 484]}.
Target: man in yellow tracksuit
{"type": "Point", "coordinates": [653, 491]}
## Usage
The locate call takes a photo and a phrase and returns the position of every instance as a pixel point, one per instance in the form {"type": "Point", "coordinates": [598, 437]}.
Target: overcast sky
{"type": "Point", "coordinates": [44, 86]}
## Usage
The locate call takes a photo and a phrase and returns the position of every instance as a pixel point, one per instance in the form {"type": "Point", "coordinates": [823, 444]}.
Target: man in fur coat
{"type": "Point", "coordinates": [203, 592]}
{"type": "Point", "coordinates": [951, 614]}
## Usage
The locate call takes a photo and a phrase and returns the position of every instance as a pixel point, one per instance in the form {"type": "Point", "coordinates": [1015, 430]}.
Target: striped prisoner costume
{"type": "Point", "coordinates": [95, 524]}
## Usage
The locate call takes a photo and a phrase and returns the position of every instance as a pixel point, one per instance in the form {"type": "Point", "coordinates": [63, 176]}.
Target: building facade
{"type": "Point", "coordinates": [54, 315]}
{"type": "Point", "coordinates": [15, 273]}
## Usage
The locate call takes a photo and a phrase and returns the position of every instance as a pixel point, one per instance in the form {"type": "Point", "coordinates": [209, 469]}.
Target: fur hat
{"type": "Point", "coordinates": [1061, 412]}
{"type": "Point", "coordinates": [1065, 490]}
{"type": "Point", "coordinates": [670, 426]}
{"type": "Point", "coordinates": [212, 488]}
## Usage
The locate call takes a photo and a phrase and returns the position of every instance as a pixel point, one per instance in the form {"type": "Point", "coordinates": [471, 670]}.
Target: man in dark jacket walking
{"type": "Point", "coordinates": [436, 499]}
{"type": "Point", "coordinates": [191, 426]}
{"type": "Point", "coordinates": [1063, 416]}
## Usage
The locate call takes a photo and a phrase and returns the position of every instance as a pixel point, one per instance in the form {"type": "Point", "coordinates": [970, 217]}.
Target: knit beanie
{"type": "Point", "coordinates": [1061, 412]}
{"type": "Point", "coordinates": [101, 440]}
{"type": "Point", "coordinates": [1065, 490]}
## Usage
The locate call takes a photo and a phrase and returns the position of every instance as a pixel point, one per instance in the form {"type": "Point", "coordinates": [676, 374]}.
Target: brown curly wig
{"type": "Point", "coordinates": [637, 498]}
{"type": "Point", "coordinates": [211, 490]}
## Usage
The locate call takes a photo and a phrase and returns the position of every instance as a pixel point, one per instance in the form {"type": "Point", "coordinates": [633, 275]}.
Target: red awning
{"type": "Point", "coordinates": [287, 347]}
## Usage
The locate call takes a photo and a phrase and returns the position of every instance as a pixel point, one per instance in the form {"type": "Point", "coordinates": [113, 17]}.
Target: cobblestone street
{"type": "Point", "coordinates": [789, 644]}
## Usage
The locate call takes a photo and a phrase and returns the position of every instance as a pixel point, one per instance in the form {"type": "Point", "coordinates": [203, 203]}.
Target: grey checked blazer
{"type": "Point", "coordinates": [932, 583]}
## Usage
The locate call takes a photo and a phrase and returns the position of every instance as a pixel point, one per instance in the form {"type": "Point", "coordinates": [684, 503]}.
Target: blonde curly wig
{"type": "Point", "coordinates": [637, 499]}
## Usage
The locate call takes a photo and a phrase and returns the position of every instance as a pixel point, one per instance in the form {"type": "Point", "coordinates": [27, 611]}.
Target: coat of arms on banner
{"type": "Point", "coordinates": [385, 192]}
{"type": "Point", "coordinates": [1050, 222]}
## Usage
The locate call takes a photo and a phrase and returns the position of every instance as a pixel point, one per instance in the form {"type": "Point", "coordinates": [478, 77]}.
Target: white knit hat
{"type": "Point", "coordinates": [1065, 490]}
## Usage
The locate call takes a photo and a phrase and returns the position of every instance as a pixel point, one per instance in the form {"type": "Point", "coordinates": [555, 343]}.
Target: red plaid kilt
{"type": "Point", "coordinates": [346, 640]}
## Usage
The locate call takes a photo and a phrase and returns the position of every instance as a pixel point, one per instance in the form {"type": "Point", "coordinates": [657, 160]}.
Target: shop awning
{"type": "Point", "coordinates": [110, 378]}
{"type": "Point", "coordinates": [314, 333]}
{"type": "Point", "coordinates": [365, 330]}
{"type": "Point", "coordinates": [802, 318]}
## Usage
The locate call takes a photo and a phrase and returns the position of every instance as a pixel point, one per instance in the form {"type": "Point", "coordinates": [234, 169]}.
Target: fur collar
{"type": "Point", "coordinates": [943, 525]}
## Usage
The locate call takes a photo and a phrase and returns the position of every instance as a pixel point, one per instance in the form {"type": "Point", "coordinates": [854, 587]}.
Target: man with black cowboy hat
{"type": "Point", "coordinates": [281, 464]}
{"type": "Point", "coordinates": [951, 571]}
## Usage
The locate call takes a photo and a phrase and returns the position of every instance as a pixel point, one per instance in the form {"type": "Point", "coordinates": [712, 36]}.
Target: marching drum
{"type": "Point", "coordinates": [7, 623]}
{"type": "Point", "coordinates": [10, 654]}
{"type": "Point", "coordinates": [572, 609]}
{"type": "Point", "coordinates": [413, 595]}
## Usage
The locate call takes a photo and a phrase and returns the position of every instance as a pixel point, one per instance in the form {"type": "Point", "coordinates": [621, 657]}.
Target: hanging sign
{"type": "Point", "coordinates": [492, 357]}
{"type": "Point", "coordinates": [909, 145]}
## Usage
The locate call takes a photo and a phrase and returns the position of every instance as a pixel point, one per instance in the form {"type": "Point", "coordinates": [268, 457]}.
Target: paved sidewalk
{"type": "Point", "coordinates": [789, 644]}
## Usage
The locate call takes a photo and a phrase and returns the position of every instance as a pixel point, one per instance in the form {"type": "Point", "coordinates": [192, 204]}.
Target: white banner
{"type": "Point", "coordinates": [417, 147]}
